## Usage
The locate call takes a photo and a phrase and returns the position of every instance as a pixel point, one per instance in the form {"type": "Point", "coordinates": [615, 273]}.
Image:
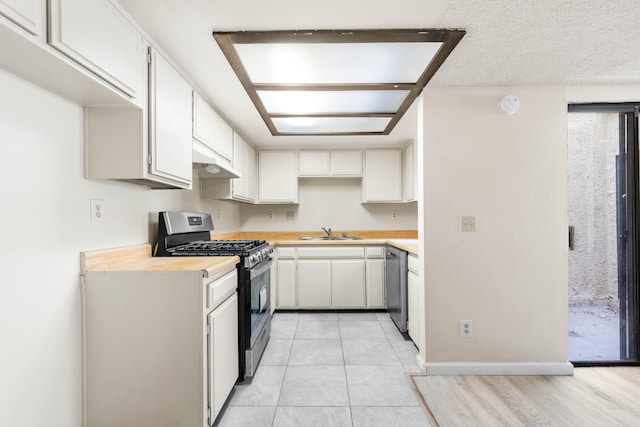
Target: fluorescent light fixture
{"type": "Point", "coordinates": [330, 125]}
{"type": "Point", "coordinates": [350, 82]}
{"type": "Point", "coordinates": [314, 102]}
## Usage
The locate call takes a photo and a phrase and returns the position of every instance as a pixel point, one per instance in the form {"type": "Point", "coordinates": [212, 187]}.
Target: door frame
{"type": "Point", "coordinates": [631, 110]}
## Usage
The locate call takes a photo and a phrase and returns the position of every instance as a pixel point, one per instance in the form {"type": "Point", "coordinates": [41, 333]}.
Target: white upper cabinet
{"type": "Point", "coordinates": [25, 13]}
{"type": "Point", "coordinates": [383, 175]}
{"type": "Point", "coordinates": [251, 174]}
{"type": "Point", "coordinates": [98, 36]}
{"type": "Point", "coordinates": [211, 129]}
{"type": "Point", "coordinates": [409, 173]}
{"type": "Point", "coordinates": [330, 163]}
{"type": "Point", "coordinates": [241, 189]}
{"type": "Point", "coordinates": [169, 121]}
{"type": "Point", "coordinates": [313, 163]}
{"type": "Point", "coordinates": [244, 160]}
{"type": "Point", "coordinates": [346, 163]}
{"type": "Point", "coordinates": [151, 146]}
{"type": "Point", "coordinates": [277, 179]}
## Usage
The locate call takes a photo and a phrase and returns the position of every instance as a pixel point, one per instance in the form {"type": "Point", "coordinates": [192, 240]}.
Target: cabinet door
{"type": "Point", "coordinates": [97, 35]}
{"type": "Point", "coordinates": [346, 163]}
{"type": "Point", "coordinates": [277, 180]}
{"type": "Point", "coordinates": [313, 163]}
{"type": "Point", "coordinates": [222, 353]}
{"type": "Point", "coordinates": [314, 284]}
{"type": "Point", "coordinates": [347, 283]}
{"type": "Point", "coordinates": [239, 189]}
{"type": "Point", "coordinates": [409, 173]}
{"type": "Point", "coordinates": [375, 283]}
{"type": "Point", "coordinates": [25, 13]}
{"type": "Point", "coordinates": [211, 129]}
{"type": "Point", "coordinates": [251, 174]}
{"type": "Point", "coordinates": [169, 122]}
{"type": "Point", "coordinates": [412, 306]}
{"type": "Point", "coordinates": [383, 175]}
{"type": "Point", "coordinates": [287, 284]}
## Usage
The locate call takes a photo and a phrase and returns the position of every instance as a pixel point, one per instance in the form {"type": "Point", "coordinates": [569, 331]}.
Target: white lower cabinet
{"type": "Point", "coordinates": [223, 353]}
{"type": "Point", "coordinates": [287, 283]}
{"type": "Point", "coordinates": [347, 283]}
{"type": "Point", "coordinates": [330, 277]}
{"type": "Point", "coordinates": [413, 307]}
{"type": "Point", "coordinates": [314, 283]}
{"type": "Point", "coordinates": [161, 347]}
{"type": "Point", "coordinates": [375, 283]}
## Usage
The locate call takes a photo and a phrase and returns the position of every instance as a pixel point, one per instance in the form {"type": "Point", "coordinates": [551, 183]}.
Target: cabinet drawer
{"type": "Point", "coordinates": [374, 252]}
{"type": "Point", "coordinates": [412, 263]}
{"type": "Point", "coordinates": [219, 290]}
{"type": "Point", "coordinates": [331, 252]}
{"type": "Point", "coordinates": [286, 253]}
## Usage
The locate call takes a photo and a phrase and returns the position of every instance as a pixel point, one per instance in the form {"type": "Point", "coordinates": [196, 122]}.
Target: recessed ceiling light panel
{"type": "Point", "coordinates": [336, 63]}
{"type": "Point", "coordinates": [327, 82]}
{"type": "Point", "coordinates": [344, 101]}
{"type": "Point", "coordinates": [330, 125]}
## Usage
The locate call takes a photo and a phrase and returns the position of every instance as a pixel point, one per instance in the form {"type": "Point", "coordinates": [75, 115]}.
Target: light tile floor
{"type": "Point", "coordinates": [330, 369]}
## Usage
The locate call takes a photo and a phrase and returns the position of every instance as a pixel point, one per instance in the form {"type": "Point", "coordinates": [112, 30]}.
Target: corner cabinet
{"type": "Point", "coordinates": [277, 177]}
{"type": "Point", "coordinates": [150, 146]}
{"type": "Point", "coordinates": [95, 34]}
{"type": "Point", "coordinates": [382, 175]}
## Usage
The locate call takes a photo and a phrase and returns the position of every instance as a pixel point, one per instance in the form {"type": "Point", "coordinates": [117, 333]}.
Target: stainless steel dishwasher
{"type": "Point", "coordinates": [396, 285]}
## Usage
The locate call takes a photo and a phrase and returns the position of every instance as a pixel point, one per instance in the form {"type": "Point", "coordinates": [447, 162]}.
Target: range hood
{"type": "Point", "coordinates": [210, 166]}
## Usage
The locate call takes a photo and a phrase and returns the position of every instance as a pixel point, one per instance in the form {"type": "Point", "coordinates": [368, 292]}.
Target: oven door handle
{"type": "Point", "coordinates": [261, 268]}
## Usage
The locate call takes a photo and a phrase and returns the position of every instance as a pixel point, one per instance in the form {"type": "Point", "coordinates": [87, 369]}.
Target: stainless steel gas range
{"type": "Point", "coordinates": [188, 234]}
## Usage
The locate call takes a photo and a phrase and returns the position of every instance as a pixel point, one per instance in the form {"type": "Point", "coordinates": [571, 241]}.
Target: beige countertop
{"type": "Point", "coordinates": [138, 258]}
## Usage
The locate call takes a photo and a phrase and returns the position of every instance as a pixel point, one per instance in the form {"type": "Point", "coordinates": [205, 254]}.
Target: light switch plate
{"type": "Point", "coordinates": [468, 223]}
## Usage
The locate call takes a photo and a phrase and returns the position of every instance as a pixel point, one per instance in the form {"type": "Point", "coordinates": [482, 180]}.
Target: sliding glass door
{"type": "Point", "coordinates": [603, 233]}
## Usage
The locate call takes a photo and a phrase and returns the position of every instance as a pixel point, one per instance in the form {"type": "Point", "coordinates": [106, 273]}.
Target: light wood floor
{"type": "Point", "coordinates": [592, 397]}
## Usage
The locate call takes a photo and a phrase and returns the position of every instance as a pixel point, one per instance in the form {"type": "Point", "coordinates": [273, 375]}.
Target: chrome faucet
{"type": "Point", "coordinates": [327, 231]}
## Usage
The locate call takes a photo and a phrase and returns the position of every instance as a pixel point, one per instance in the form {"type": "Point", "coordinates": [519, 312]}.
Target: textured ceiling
{"type": "Point", "coordinates": [534, 42]}
{"type": "Point", "coordinates": [543, 42]}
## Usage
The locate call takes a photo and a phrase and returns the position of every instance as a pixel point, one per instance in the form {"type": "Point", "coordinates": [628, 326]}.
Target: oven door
{"type": "Point", "coordinates": [260, 288]}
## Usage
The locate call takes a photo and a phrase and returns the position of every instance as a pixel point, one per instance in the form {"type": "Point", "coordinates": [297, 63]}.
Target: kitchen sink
{"type": "Point", "coordinates": [321, 238]}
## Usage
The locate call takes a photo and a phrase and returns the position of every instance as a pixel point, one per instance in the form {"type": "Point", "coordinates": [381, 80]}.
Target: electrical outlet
{"type": "Point", "coordinates": [394, 214]}
{"type": "Point", "coordinates": [270, 215]}
{"type": "Point", "coordinates": [97, 210]}
{"type": "Point", "coordinates": [218, 214]}
{"type": "Point", "coordinates": [466, 328]}
{"type": "Point", "coordinates": [468, 223]}
{"type": "Point", "coordinates": [290, 215]}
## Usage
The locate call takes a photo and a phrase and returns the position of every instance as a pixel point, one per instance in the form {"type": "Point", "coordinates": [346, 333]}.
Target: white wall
{"type": "Point", "coordinates": [334, 203]}
{"type": "Point", "coordinates": [44, 225]}
{"type": "Point", "coordinates": [509, 277]}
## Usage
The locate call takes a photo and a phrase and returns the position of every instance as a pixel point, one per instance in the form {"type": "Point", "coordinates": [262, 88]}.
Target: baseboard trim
{"type": "Point", "coordinates": [421, 363]}
{"type": "Point", "coordinates": [491, 368]}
